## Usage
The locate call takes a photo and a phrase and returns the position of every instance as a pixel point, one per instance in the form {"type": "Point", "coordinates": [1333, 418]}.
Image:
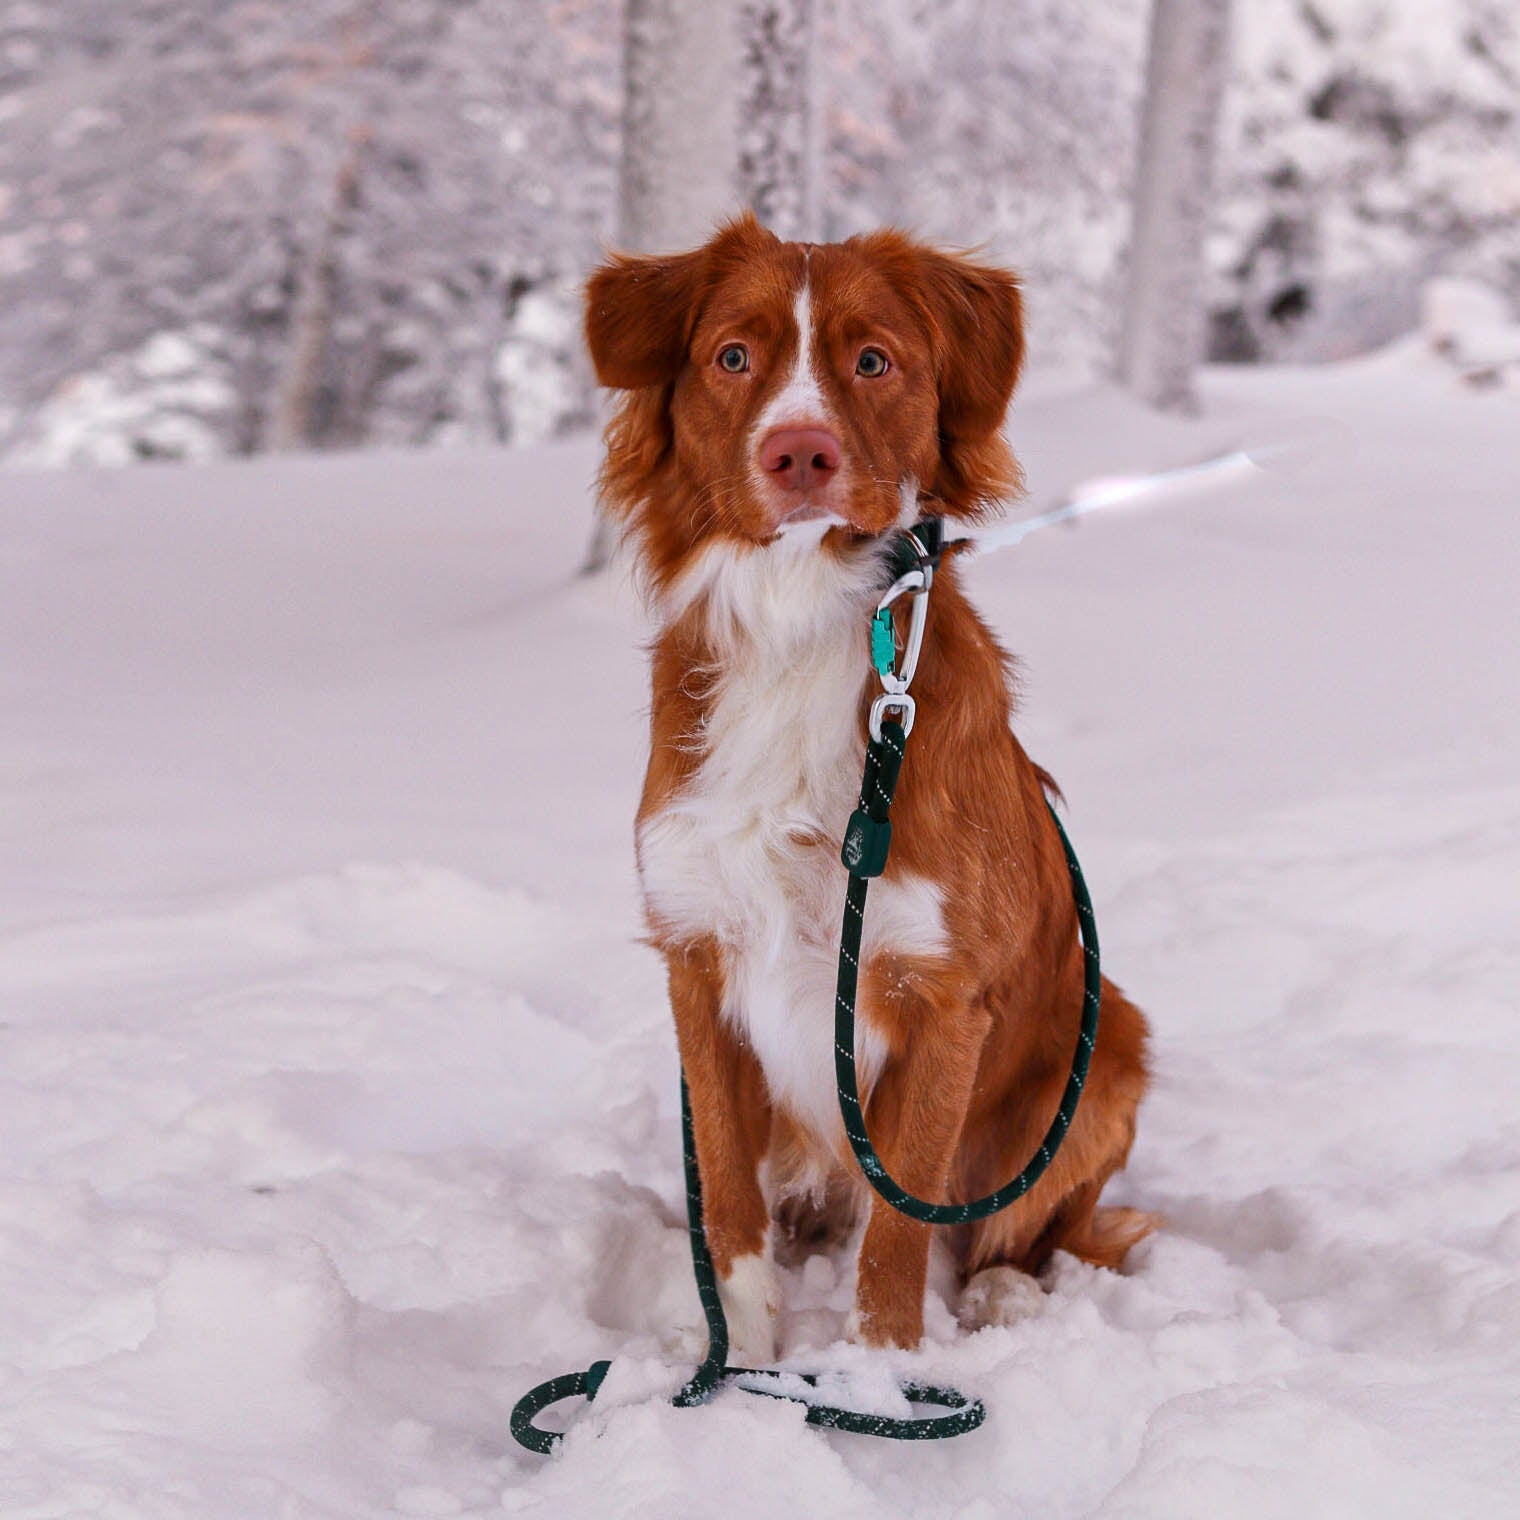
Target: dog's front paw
{"type": "Point", "coordinates": [685, 1343]}
{"type": "Point", "coordinates": [999, 1296]}
{"type": "Point", "coordinates": [904, 1330]}
{"type": "Point", "coordinates": [751, 1296]}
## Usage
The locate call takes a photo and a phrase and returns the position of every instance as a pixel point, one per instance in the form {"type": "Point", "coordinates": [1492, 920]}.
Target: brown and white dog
{"type": "Point", "coordinates": [786, 408]}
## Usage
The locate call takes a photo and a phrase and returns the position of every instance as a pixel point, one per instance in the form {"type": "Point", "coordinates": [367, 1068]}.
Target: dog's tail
{"type": "Point", "coordinates": [1106, 1238]}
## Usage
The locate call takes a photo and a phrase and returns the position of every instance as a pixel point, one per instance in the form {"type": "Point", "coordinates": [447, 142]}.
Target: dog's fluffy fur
{"type": "Point", "coordinates": [763, 571]}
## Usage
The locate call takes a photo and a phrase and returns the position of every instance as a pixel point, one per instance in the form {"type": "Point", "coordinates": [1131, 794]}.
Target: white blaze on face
{"type": "Point", "coordinates": [799, 402]}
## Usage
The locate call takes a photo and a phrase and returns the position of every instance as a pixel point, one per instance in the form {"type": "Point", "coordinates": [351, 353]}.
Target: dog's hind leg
{"type": "Point", "coordinates": [1060, 1212]}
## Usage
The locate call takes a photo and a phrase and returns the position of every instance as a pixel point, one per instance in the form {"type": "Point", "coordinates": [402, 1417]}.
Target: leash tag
{"type": "Point", "coordinates": [866, 843]}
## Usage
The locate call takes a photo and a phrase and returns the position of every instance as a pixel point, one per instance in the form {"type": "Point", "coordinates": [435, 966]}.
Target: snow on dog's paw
{"type": "Point", "coordinates": [685, 1343]}
{"type": "Point", "coordinates": [751, 1295]}
{"type": "Point", "coordinates": [755, 1348]}
{"type": "Point", "coordinates": [999, 1296]}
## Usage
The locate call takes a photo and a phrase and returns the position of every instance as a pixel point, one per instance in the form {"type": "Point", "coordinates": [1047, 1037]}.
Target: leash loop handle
{"type": "Point", "coordinates": [536, 1400]}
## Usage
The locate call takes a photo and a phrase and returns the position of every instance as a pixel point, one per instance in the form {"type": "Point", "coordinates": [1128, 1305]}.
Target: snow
{"type": "Point", "coordinates": [337, 1096]}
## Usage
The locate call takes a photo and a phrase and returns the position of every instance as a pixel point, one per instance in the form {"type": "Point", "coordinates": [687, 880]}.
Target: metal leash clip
{"type": "Point", "coordinates": [897, 677]}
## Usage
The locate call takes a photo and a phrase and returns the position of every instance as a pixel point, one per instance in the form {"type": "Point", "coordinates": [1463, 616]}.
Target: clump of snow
{"type": "Point", "coordinates": [1371, 144]}
{"type": "Point", "coordinates": [169, 399]}
{"type": "Point", "coordinates": [541, 367]}
{"type": "Point", "coordinates": [280, 1324]}
{"type": "Point", "coordinates": [338, 1095]}
{"type": "Point", "coordinates": [1469, 324]}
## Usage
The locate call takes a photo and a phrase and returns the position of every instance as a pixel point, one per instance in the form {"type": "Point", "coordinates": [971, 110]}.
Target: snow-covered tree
{"type": "Point", "coordinates": [680, 119]}
{"type": "Point", "coordinates": [1165, 317]}
{"type": "Point", "coordinates": [293, 415]}
{"type": "Point", "coordinates": [178, 254]}
{"type": "Point", "coordinates": [778, 128]}
{"type": "Point", "coordinates": [680, 136]}
{"type": "Point", "coordinates": [170, 259]}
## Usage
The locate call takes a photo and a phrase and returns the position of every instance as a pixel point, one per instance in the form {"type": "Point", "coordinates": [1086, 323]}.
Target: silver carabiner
{"type": "Point", "coordinates": [896, 682]}
{"type": "Point", "coordinates": [884, 704]}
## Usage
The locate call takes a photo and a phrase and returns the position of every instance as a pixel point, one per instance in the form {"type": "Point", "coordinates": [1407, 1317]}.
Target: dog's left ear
{"type": "Point", "coordinates": [979, 314]}
{"type": "Point", "coordinates": [639, 315]}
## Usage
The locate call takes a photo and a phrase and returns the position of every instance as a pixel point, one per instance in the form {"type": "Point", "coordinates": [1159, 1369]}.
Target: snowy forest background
{"type": "Point", "coordinates": [338, 1091]}
{"type": "Point", "coordinates": [169, 168]}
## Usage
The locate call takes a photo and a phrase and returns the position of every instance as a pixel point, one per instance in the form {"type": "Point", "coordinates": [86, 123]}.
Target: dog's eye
{"type": "Point", "coordinates": [871, 363]}
{"type": "Point", "coordinates": [734, 358]}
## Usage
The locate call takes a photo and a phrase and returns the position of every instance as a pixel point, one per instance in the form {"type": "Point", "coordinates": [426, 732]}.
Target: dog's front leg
{"type": "Point", "coordinates": [914, 1117]}
{"type": "Point", "coordinates": [731, 1118]}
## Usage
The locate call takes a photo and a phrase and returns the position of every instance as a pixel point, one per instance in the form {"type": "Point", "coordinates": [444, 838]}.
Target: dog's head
{"type": "Point", "coordinates": [770, 385]}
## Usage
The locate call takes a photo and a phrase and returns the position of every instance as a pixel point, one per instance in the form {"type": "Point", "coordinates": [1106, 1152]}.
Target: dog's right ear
{"type": "Point", "coordinates": [639, 316]}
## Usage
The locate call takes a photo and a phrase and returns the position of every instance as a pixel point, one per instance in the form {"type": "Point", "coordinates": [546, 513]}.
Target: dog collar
{"type": "Point", "coordinates": [918, 547]}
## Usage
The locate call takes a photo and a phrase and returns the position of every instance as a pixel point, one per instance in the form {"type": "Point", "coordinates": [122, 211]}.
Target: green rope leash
{"type": "Point", "coordinates": [867, 842]}
{"type": "Point", "coordinates": [865, 855]}
{"type": "Point", "coordinates": [963, 1414]}
{"type": "Point", "coordinates": [883, 761]}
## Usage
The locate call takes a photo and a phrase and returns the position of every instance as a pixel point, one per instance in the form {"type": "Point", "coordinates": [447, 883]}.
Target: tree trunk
{"type": "Point", "coordinates": [680, 121]}
{"type": "Point", "coordinates": [680, 137]}
{"type": "Point", "coordinates": [778, 129]}
{"type": "Point", "coordinates": [291, 423]}
{"type": "Point", "coordinates": [1162, 338]}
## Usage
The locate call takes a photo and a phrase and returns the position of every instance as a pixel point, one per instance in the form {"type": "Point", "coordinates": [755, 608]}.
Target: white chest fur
{"type": "Point", "coordinates": [748, 852]}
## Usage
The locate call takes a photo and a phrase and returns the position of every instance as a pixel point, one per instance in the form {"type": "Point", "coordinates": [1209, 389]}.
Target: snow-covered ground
{"type": "Point", "coordinates": [337, 1098]}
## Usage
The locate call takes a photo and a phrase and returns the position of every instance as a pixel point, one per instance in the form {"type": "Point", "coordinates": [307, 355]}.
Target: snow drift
{"type": "Point", "coordinates": [338, 1099]}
